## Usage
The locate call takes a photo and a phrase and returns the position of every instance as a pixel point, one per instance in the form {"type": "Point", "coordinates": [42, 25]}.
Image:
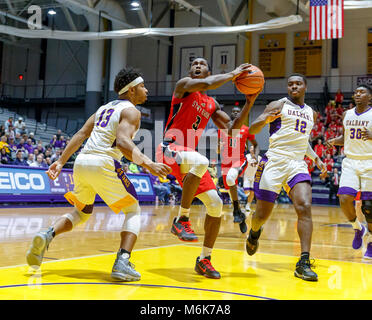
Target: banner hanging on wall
{"type": "Point", "coordinates": [272, 55]}
{"type": "Point", "coordinates": [307, 55]}
{"type": "Point", "coordinates": [369, 51]}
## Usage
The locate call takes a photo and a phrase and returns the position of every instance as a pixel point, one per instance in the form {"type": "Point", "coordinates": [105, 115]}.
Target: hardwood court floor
{"type": "Point", "coordinates": [78, 264]}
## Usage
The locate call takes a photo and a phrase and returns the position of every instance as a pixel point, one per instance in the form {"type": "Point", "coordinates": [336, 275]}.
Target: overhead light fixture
{"type": "Point", "coordinates": [135, 4]}
{"type": "Point", "coordinates": [51, 12]}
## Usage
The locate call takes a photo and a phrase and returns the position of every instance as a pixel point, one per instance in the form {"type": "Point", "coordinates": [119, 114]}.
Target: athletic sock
{"type": "Point", "coordinates": [206, 252]}
{"type": "Point", "coordinates": [124, 253]}
{"type": "Point", "coordinates": [356, 224]}
{"type": "Point", "coordinates": [305, 255]}
{"type": "Point", "coordinates": [255, 234]}
{"type": "Point", "coordinates": [236, 205]}
{"type": "Point", "coordinates": [183, 212]}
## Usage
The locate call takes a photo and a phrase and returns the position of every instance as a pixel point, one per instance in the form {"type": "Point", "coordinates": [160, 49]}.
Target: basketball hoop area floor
{"type": "Point", "coordinates": [78, 264]}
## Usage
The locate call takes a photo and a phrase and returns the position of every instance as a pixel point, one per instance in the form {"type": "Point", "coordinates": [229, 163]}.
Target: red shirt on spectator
{"type": "Point", "coordinates": [332, 151]}
{"type": "Point", "coordinates": [329, 162]}
{"type": "Point", "coordinates": [339, 97]}
{"type": "Point", "coordinates": [329, 134]}
{"type": "Point", "coordinates": [319, 150]}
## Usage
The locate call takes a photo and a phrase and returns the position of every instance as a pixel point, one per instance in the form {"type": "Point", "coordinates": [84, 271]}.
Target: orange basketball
{"type": "Point", "coordinates": [250, 82]}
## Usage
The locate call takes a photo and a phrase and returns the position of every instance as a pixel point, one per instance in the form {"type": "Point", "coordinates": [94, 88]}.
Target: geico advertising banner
{"type": "Point", "coordinates": [18, 181]}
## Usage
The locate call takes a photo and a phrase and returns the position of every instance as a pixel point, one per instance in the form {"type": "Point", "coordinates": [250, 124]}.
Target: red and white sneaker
{"type": "Point", "coordinates": [182, 229]}
{"type": "Point", "coordinates": [205, 268]}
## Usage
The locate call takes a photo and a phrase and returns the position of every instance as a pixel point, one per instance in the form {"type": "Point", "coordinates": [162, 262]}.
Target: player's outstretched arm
{"type": "Point", "coordinates": [319, 163]}
{"type": "Point", "coordinates": [128, 125]}
{"type": "Point", "coordinates": [76, 141]}
{"type": "Point", "coordinates": [271, 113]}
{"type": "Point", "coordinates": [212, 82]}
{"type": "Point", "coordinates": [223, 121]}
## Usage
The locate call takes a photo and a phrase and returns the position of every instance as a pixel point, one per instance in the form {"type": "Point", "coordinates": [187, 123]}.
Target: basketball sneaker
{"type": "Point", "coordinates": [239, 216]}
{"type": "Point", "coordinates": [39, 243]}
{"type": "Point", "coordinates": [303, 270]}
{"type": "Point", "coordinates": [123, 269]}
{"type": "Point", "coordinates": [358, 237]}
{"type": "Point", "coordinates": [252, 243]}
{"type": "Point", "coordinates": [243, 227]}
{"type": "Point", "coordinates": [368, 253]}
{"type": "Point", "coordinates": [182, 229]}
{"type": "Point", "coordinates": [205, 268]}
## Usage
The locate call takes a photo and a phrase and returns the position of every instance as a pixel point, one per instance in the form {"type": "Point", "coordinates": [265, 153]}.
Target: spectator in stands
{"type": "Point", "coordinates": [161, 191]}
{"type": "Point", "coordinates": [175, 186]}
{"type": "Point", "coordinates": [2, 130]}
{"type": "Point", "coordinates": [4, 157]}
{"type": "Point", "coordinates": [21, 144]}
{"type": "Point", "coordinates": [329, 162]}
{"type": "Point", "coordinates": [40, 162]}
{"type": "Point", "coordinates": [20, 126]}
{"type": "Point", "coordinates": [56, 155]}
{"type": "Point", "coordinates": [320, 149]}
{"type": "Point", "coordinates": [213, 171]}
{"type": "Point", "coordinates": [19, 160]}
{"type": "Point", "coordinates": [30, 158]}
{"type": "Point", "coordinates": [333, 184]}
{"type": "Point", "coordinates": [125, 167]}
{"type": "Point", "coordinates": [329, 133]}
{"type": "Point", "coordinates": [351, 106]}
{"type": "Point", "coordinates": [29, 147]}
{"type": "Point", "coordinates": [4, 144]}
{"type": "Point", "coordinates": [340, 110]}
{"type": "Point", "coordinates": [32, 137]}
{"type": "Point", "coordinates": [40, 148]}
{"type": "Point", "coordinates": [63, 142]}
{"type": "Point", "coordinates": [331, 151]}
{"type": "Point", "coordinates": [17, 138]}
{"type": "Point", "coordinates": [48, 153]}
{"type": "Point", "coordinates": [8, 123]}
{"type": "Point", "coordinates": [133, 168]}
{"type": "Point", "coordinates": [48, 161]}
{"type": "Point", "coordinates": [12, 145]}
{"type": "Point", "coordinates": [339, 97]}
{"type": "Point", "coordinates": [53, 141]}
{"type": "Point", "coordinates": [329, 111]}
{"type": "Point", "coordinates": [10, 132]}
{"type": "Point", "coordinates": [317, 131]}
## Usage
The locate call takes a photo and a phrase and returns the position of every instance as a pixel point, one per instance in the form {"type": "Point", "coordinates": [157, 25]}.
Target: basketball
{"type": "Point", "coordinates": [250, 82]}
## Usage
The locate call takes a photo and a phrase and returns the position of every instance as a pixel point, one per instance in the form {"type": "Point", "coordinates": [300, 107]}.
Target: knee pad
{"type": "Point", "coordinates": [132, 222]}
{"type": "Point", "coordinates": [212, 202]}
{"type": "Point", "coordinates": [367, 210]}
{"type": "Point", "coordinates": [200, 164]}
{"type": "Point", "coordinates": [77, 217]}
{"type": "Point", "coordinates": [231, 177]}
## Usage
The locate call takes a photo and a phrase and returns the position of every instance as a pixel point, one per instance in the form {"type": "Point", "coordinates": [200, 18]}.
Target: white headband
{"type": "Point", "coordinates": [130, 85]}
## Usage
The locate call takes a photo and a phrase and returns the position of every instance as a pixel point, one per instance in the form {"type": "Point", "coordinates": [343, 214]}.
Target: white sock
{"type": "Point", "coordinates": [356, 224]}
{"type": "Point", "coordinates": [206, 252]}
{"type": "Point", "coordinates": [183, 212]}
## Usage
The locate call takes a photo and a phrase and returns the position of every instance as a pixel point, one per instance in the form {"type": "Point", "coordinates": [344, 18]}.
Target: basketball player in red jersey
{"type": "Point", "coordinates": [191, 109]}
{"type": "Point", "coordinates": [234, 163]}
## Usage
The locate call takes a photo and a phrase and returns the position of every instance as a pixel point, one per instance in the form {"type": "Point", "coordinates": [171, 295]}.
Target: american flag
{"type": "Point", "coordinates": [326, 19]}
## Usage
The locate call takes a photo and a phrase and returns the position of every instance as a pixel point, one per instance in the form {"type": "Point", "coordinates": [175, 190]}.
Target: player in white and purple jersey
{"type": "Point", "coordinates": [283, 165]}
{"type": "Point", "coordinates": [357, 166]}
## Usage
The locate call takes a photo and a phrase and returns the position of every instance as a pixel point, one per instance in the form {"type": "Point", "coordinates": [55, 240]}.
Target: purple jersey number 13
{"type": "Point", "coordinates": [104, 123]}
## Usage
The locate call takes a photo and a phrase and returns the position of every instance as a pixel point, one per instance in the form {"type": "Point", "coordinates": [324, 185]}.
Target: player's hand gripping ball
{"type": "Point", "coordinates": [250, 82]}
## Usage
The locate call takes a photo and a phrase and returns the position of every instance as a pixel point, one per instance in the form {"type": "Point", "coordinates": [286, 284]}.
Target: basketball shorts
{"type": "Point", "coordinates": [94, 175]}
{"type": "Point", "coordinates": [180, 159]}
{"type": "Point", "coordinates": [240, 166]}
{"type": "Point", "coordinates": [277, 172]}
{"type": "Point", "coordinates": [356, 175]}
